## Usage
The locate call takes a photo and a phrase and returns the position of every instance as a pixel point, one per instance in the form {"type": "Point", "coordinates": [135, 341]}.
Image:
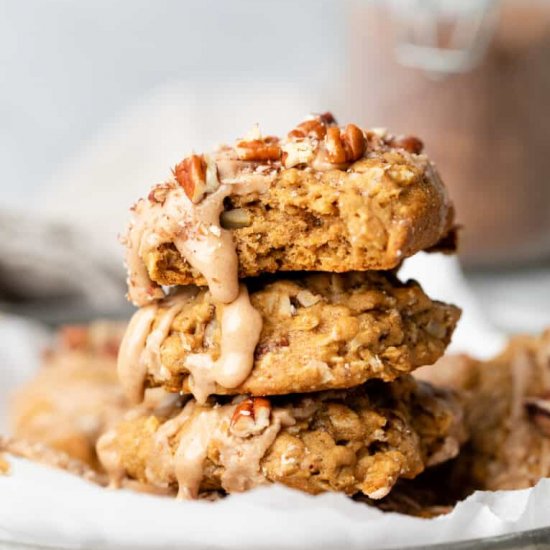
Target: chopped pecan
{"type": "Point", "coordinates": [250, 417]}
{"type": "Point", "coordinates": [260, 150]}
{"type": "Point", "coordinates": [376, 139]}
{"type": "Point", "coordinates": [309, 128]}
{"type": "Point", "coordinates": [412, 144]}
{"type": "Point", "coordinates": [315, 127]}
{"type": "Point", "coordinates": [297, 152]}
{"type": "Point", "coordinates": [190, 173]}
{"type": "Point", "coordinates": [159, 193]}
{"type": "Point", "coordinates": [271, 345]}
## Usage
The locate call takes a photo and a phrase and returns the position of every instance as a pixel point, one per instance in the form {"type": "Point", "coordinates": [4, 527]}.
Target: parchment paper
{"type": "Point", "coordinates": [39, 505]}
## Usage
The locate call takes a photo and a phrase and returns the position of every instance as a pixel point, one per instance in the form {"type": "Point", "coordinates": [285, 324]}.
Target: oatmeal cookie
{"type": "Point", "coordinates": [310, 333]}
{"type": "Point", "coordinates": [322, 199]}
{"type": "Point", "coordinates": [356, 441]}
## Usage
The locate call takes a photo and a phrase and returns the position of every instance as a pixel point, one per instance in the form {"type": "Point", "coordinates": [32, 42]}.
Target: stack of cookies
{"type": "Point", "coordinates": [274, 341]}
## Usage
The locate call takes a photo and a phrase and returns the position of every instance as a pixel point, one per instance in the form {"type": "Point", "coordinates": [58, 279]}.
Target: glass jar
{"type": "Point", "coordinates": [479, 98]}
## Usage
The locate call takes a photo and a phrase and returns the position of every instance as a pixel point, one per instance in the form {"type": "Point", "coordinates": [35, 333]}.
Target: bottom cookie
{"type": "Point", "coordinates": [356, 441]}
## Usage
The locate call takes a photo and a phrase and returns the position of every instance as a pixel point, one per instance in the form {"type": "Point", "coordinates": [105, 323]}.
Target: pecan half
{"type": "Point", "coordinates": [197, 175]}
{"type": "Point", "coordinates": [260, 150]}
{"type": "Point", "coordinates": [343, 146]}
{"type": "Point", "coordinates": [190, 173]}
{"type": "Point", "coordinates": [250, 417]}
{"type": "Point", "coordinates": [412, 144]}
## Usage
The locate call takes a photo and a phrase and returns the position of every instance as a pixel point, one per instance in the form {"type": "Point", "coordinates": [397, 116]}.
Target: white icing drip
{"type": "Point", "coordinates": [131, 367]}
{"type": "Point", "coordinates": [195, 231]}
{"type": "Point", "coordinates": [252, 183]}
{"type": "Point", "coordinates": [241, 326]}
{"type": "Point", "coordinates": [200, 429]}
{"type": "Point", "coordinates": [211, 251]}
{"type": "Point", "coordinates": [139, 353]}
{"type": "Point", "coordinates": [141, 290]}
{"type": "Point", "coordinates": [140, 348]}
{"type": "Point", "coordinates": [161, 466]}
{"type": "Point", "coordinates": [170, 308]}
{"type": "Point", "coordinates": [109, 456]}
{"type": "Point", "coordinates": [240, 457]}
{"type": "Point", "coordinates": [192, 451]}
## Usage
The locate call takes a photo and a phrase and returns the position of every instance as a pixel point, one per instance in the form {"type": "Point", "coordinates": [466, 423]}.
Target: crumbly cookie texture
{"type": "Point", "coordinates": [318, 332]}
{"type": "Point", "coordinates": [507, 411]}
{"type": "Point", "coordinates": [357, 441]}
{"type": "Point", "coordinates": [322, 199]}
{"type": "Point", "coordinates": [74, 396]}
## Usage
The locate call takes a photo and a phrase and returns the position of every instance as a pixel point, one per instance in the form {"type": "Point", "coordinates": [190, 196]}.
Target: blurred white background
{"type": "Point", "coordinates": [98, 99]}
{"type": "Point", "coordinates": [70, 70]}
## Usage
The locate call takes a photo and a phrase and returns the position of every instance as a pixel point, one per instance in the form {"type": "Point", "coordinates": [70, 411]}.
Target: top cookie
{"type": "Point", "coordinates": [324, 198]}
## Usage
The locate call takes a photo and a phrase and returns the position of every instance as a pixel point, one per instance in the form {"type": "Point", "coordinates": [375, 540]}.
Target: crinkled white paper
{"type": "Point", "coordinates": [44, 506]}
{"type": "Point", "coordinates": [39, 505]}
